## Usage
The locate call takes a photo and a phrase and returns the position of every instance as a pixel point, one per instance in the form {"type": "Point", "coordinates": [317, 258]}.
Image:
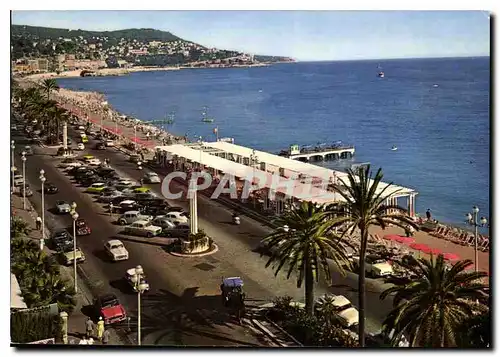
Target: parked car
{"type": "Point", "coordinates": [375, 266]}
{"type": "Point", "coordinates": [130, 217]}
{"type": "Point", "coordinates": [28, 150]}
{"type": "Point", "coordinates": [61, 240]}
{"type": "Point", "coordinates": [96, 187]}
{"type": "Point", "coordinates": [127, 205]}
{"type": "Point", "coordinates": [143, 228]}
{"type": "Point", "coordinates": [151, 177]}
{"type": "Point", "coordinates": [70, 162]}
{"type": "Point", "coordinates": [109, 308]}
{"type": "Point", "coordinates": [163, 222]}
{"type": "Point", "coordinates": [344, 312]}
{"type": "Point", "coordinates": [110, 143]}
{"type": "Point", "coordinates": [94, 162]}
{"type": "Point", "coordinates": [63, 207]}
{"type": "Point", "coordinates": [80, 146]}
{"type": "Point", "coordinates": [109, 197]}
{"type": "Point", "coordinates": [67, 257]}
{"type": "Point", "coordinates": [100, 146]}
{"type": "Point", "coordinates": [89, 180]}
{"type": "Point", "coordinates": [28, 192]}
{"type": "Point", "coordinates": [50, 188]}
{"type": "Point", "coordinates": [177, 217]}
{"type": "Point", "coordinates": [177, 231]}
{"type": "Point", "coordinates": [18, 180]}
{"type": "Point", "coordinates": [82, 229]}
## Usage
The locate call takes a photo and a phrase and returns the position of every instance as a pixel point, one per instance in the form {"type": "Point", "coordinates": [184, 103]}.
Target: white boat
{"type": "Point", "coordinates": [394, 148]}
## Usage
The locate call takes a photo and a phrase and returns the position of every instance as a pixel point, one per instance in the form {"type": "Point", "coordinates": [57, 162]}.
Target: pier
{"type": "Point", "coordinates": [319, 153]}
{"type": "Point", "coordinates": [298, 181]}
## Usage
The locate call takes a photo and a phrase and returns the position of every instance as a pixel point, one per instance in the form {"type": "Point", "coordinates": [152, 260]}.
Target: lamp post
{"type": "Point", "coordinates": [472, 220]}
{"type": "Point", "coordinates": [23, 158]}
{"type": "Point", "coordinates": [74, 215]}
{"type": "Point", "coordinates": [253, 159]}
{"type": "Point", "coordinates": [135, 137]}
{"type": "Point", "coordinates": [140, 286]}
{"type": "Point", "coordinates": [42, 179]}
{"type": "Point", "coordinates": [12, 147]}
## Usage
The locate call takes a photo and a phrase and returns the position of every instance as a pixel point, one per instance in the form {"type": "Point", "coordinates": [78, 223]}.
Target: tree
{"type": "Point", "coordinates": [431, 310]}
{"type": "Point", "coordinates": [365, 205]}
{"type": "Point", "coordinates": [305, 247]}
{"type": "Point", "coordinates": [18, 228]}
{"type": "Point", "coordinates": [48, 85]}
{"type": "Point", "coordinates": [475, 331]}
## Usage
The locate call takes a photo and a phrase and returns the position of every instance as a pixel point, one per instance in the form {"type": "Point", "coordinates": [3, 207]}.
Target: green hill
{"type": "Point", "coordinates": [142, 35]}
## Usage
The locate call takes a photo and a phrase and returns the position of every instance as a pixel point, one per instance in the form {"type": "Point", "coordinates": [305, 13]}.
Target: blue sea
{"type": "Point", "coordinates": [435, 111]}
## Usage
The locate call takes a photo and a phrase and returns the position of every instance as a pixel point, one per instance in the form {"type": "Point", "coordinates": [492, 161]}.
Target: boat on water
{"type": "Point", "coordinates": [170, 119]}
{"type": "Point", "coordinates": [394, 148]}
{"type": "Point", "coordinates": [205, 118]}
{"type": "Point", "coordinates": [380, 73]}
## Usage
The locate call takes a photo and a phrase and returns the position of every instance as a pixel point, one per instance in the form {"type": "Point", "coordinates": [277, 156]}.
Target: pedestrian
{"type": "Point", "coordinates": [428, 214]}
{"type": "Point", "coordinates": [89, 327]}
{"type": "Point", "coordinates": [38, 223]}
{"type": "Point", "coordinates": [412, 231]}
{"type": "Point", "coordinates": [111, 208]}
{"type": "Point", "coordinates": [407, 231]}
{"type": "Point", "coordinates": [100, 328]}
{"type": "Point", "coordinates": [105, 337]}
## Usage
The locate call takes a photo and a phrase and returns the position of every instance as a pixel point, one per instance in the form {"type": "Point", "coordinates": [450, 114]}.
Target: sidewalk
{"type": "Point", "coordinates": [76, 320]}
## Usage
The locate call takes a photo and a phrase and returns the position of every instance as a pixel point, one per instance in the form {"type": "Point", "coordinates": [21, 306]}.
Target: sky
{"type": "Point", "coordinates": [303, 35]}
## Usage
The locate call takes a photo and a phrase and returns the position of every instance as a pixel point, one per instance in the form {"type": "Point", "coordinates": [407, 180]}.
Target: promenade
{"type": "Point", "coordinates": [127, 132]}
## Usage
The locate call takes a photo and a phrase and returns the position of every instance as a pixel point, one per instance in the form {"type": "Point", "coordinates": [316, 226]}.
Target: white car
{"type": "Point", "coordinates": [375, 266]}
{"type": "Point", "coordinates": [345, 313]}
{"type": "Point", "coordinates": [94, 162]}
{"type": "Point", "coordinates": [109, 197]}
{"type": "Point", "coordinates": [143, 228]}
{"type": "Point", "coordinates": [69, 163]}
{"type": "Point", "coordinates": [176, 217]}
{"type": "Point", "coordinates": [152, 177]}
{"type": "Point", "coordinates": [81, 128]}
{"type": "Point", "coordinates": [80, 146]}
{"type": "Point", "coordinates": [125, 182]}
{"type": "Point", "coordinates": [130, 217]}
{"type": "Point", "coordinates": [109, 143]}
{"type": "Point", "coordinates": [116, 250]}
{"type": "Point", "coordinates": [63, 207]}
{"type": "Point", "coordinates": [18, 180]}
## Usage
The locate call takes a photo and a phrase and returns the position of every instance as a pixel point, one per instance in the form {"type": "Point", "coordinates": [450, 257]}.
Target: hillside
{"type": "Point", "coordinates": [142, 35]}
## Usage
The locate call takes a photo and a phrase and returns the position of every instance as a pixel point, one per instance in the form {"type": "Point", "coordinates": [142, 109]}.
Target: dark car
{"type": "Point", "coordinates": [155, 202]}
{"type": "Point", "coordinates": [82, 229]}
{"type": "Point", "coordinates": [107, 173]}
{"type": "Point", "coordinates": [61, 241]}
{"type": "Point", "coordinates": [100, 146]}
{"type": "Point", "coordinates": [84, 174]}
{"type": "Point", "coordinates": [29, 193]}
{"type": "Point", "coordinates": [90, 180]}
{"type": "Point", "coordinates": [50, 188]}
{"type": "Point", "coordinates": [153, 211]}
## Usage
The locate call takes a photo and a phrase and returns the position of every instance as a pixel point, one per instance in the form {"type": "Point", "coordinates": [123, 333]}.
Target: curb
{"type": "Point", "coordinates": [180, 255]}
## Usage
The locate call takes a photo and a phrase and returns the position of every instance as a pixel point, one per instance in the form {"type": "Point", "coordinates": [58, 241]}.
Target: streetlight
{"type": "Point", "coordinates": [74, 215]}
{"type": "Point", "coordinates": [140, 286]}
{"type": "Point", "coordinates": [135, 137]}
{"type": "Point", "coordinates": [23, 158]}
{"type": "Point", "coordinates": [472, 220]}
{"type": "Point", "coordinates": [253, 159]}
{"type": "Point", "coordinates": [12, 168]}
{"type": "Point", "coordinates": [42, 179]}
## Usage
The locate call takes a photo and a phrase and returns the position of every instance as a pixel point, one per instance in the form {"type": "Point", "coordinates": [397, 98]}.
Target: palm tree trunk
{"type": "Point", "coordinates": [361, 287]}
{"type": "Point", "coordinates": [309, 282]}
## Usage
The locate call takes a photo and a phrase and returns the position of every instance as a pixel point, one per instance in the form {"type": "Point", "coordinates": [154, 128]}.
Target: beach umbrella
{"type": "Point", "coordinates": [451, 256]}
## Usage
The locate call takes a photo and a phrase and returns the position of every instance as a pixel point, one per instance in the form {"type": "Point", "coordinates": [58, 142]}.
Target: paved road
{"type": "Point", "coordinates": [195, 279]}
{"type": "Point", "coordinates": [172, 313]}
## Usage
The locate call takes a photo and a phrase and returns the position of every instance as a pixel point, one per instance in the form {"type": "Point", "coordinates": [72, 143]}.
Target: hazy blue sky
{"type": "Point", "coordinates": [304, 35]}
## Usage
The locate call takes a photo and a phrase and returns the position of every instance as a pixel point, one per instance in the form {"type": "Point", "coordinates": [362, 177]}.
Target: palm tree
{"type": "Point", "coordinates": [476, 331]}
{"type": "Point", "coordinates": [49, 85]}
{"type": "Point", "coordinates": [365, 204]}
{"type": "Point", "coordinates": [327, 309]}
{"type": "Point", "coordinates": [430, 311]}
{"type": "Point", "coordinates": [18, 228]}
{"type": "Point", "coordinates": [305, 247]}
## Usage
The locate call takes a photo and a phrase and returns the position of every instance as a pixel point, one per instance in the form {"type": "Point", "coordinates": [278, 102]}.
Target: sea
{"type": "Point", "coordinates": [435, 111]}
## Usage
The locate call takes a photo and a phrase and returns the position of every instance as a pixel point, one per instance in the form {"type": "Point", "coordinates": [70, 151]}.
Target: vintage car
{"type": "Point", "coordinates": [96, 187]}
{"type": "Point", "coordinates": [130, 217]}
{"type": "Point", "coordinates": [151, 177]}
{"type": "Point", "coordinates": [344, 312]}
{"type": "Point", "coordinates": [116, 250]}
{"type": "Point", "coordinates": [131, 278]}
{"type": "Point", "coordinates": [82, 229]}
{"type": "Point", "coordinates": [109, 308]}
{"type": "Point", "coordinates": [67, 257]}
{"type": "Point", "coordinates": [63, 207]}
{"type": "Point", "coordinates": [143, 228]}
{"type": "Point", "coordinates": [50, 188]}
{"type": "Point", "coordinates": [375, 266]}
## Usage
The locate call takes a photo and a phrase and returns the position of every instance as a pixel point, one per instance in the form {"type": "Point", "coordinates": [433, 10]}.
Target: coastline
{"type": "Point", "coordinates": [108, 72]}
